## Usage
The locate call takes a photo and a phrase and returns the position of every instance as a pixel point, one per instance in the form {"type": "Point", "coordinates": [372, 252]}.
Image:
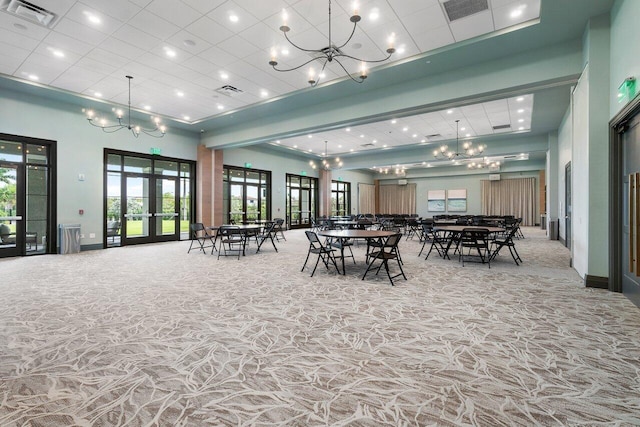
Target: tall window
{"type": "Point", "coordinates": [340, 198]}
{"type": "Point", "coordinates": [246, 195]}
{"type": "Point", "coordinates": [302, 200]}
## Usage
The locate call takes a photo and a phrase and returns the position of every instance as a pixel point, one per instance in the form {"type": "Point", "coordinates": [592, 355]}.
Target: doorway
{"type": "Point", "coordinates": [246, 197]}
{"type": "Point", "coordinates": [26, 201]}
{"type": "Point", "coordinates": [302, 200]}
{"type": "Point", "coordinates": [624, 202]}
{"type": "Point", "coordinates": [567, 204]}
{"type": "Point", "coordinates": [147, 199]}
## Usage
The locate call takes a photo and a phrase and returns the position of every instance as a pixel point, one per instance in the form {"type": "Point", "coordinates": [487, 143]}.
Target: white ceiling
{"type": "Point", "coordinates": [134, 37]}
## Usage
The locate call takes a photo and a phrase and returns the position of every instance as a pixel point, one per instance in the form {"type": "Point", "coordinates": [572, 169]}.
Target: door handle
{"type": "Point", "coordinates": [11, 218]}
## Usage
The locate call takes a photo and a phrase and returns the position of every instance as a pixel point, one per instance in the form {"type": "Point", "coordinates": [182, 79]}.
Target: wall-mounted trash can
{"type": "Point", "coordinates": [554, 229]}
{"type": "Point", "coordinates": [69, 238]}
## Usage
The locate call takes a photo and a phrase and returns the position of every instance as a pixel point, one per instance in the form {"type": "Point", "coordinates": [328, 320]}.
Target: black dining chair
{"type": "Point", "coordinates": [388, 251]}
{"type": "Point", "coordinates": [499, 243]}
{"type": "Point", "coordinates": [231, 240]}
{"type": "Point", "coordinates": [200, 236]}
{"type": "Point", "coordinates": [476, 242]}
{"type": "Point", "coordinates": [268, 233]}
{"type": "Point", "coordinates": [324, 252]}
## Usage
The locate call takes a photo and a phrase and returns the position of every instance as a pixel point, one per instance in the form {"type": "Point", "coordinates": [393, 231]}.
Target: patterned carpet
{"type": "Point", "coordinates": [151, 335]}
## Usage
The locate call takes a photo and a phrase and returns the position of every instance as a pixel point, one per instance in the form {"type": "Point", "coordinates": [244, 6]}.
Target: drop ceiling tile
{"type": "Point", "coordinates": [80, 13]}
{"type": "Point", "coordinates": [9, 65]}
{"type": "Point", "coordinates": [46, 50]}
{"type": "Point", "coordinates": [472, 26]}
{"type": "Point", "coordinates": [67, 43]}
{"type": "Point", "coordinates": [121, 48]}
{"type": "Point", "coordinates": [17, 40]}
{"type": "Point", "coordinates": [199, 64]}
{"type": "Point", "coordinates": [262, 9]}
{"type": "Point", "coordinates": [204, 6]}
{"type": "Point", "coordinates": [40, 65]}
{"type": "Point", "coordinates": [122, 10]}
{"type": "Point", "coordinates": [135, 37]}
{"type": "Point", "coordinates": [108, 60]}
{"type": "Point", "coordinates": [262, 36]}
{"type": "Point", "coordinates": [78, 79]}
{"type": "Point", "coordinates": [424, 20]}
{"type": "Point", "coordinates": [180, 14]}
{"type": "Point", "coordinates": [295, 21]}
{"type": "Point", "coordinates": [209, 30]}
{"type": "Point", "coordinates": [161, 51]}
{"type": "Point", "coordinates": [14, 52]}
{"type": "Point", "coordinates": [154, 25]}
{"type": "Point", "coordinates": [408, 7]}
{"type": "Point", "coordinates": [189, 42]}
{"type": "Point", "coordinates": [238, 47]}
{"type": "Point", "coordinates": [218, 57]}
{"type": "Point", "coordinates": [140, 70]}
{"type": "Point", "coordinates": [222, 14]}
{"type": "Point", "coordinates": [82, 32]}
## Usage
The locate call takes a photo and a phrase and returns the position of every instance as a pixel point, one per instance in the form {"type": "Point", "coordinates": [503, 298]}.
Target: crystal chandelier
{"type": "Point", "coordinates": [330, 53]}
{"type": "Point", "coordinates": [326, 164]}
{"type": "Point", "coordinates": [157, 131]}
{"type": "Point", "coordinates": [468, 149]}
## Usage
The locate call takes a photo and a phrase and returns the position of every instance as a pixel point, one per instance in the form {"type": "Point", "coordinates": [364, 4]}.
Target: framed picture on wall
{"type": "Point", "coordinates": [436, 200]}
{"type": "Point", "coordinates": [457, 200]}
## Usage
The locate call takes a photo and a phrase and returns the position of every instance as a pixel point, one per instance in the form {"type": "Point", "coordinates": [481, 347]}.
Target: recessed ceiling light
{"type": "Point", "coordinates": [404, 129]}
{"type": "Point", "coordinates": [94, 19]}
{"type": "Point", "coordinates": [520, 98]}
{"type": "Point", "coordinates": [310, 150]}
{"type": "Point", "coordinates": [521, 110]}
{"type": "Point", "coordinates": [169, 52]}
{"type": "Point", "coordinates": [520, 120]}
{"type": "Point", "coordinates": [351, 150]}
{"type": "Point", "coordinates": [375, 141]}
{"type": "Point", "coordinates": [374, 14]}
{"type": "Point", "coordinates": [463, 128]}
{"type": "Point", "coordinates": [520, 128]}
{"type": "Point", "coordinates": [223, 75]}
{"type": "Point", "coordinates": [295, 146]}
{"type": "Point", "coordinates": [147, 107]}
{"type": "Point", "coordinates": [20, 26]}
{"type": "Point", "coordinates": [98, 94]}
{"type": "Point", "coordinates": [415, 135]}
{"type": "Point", "coordinates": [516, 13]}
{"type": "Point", "coordinates": [264, 93]}
{"type": "Point", "coordinates": [384, 146]}
{"type": "Point", "coordinates": [348, 129]}
{"type": "Point", "coordinates": [449, 111]}
{"type": "Point", "coordinates": [401, 49]}
{"type": "Point", "coordinates": [285, 51]}
{"type": "Point", "coordinates": [423, 140]}
{"type": "Point", "coordinates": [361, 135]}
{"type": "Point", "coordinates": [233, 17]}
{"type": "Point", "coordinates": [322, 75]}
{"type": "Point", "coordinates": [56, 52]}
{"type": "Point", "coordinates": [309, 136]}
{"type": "Point", "coordinates": [180, 93]}
{"type": "Point", "coordinates": [278, 141]}
{"type": "Point", "coordinates": [186, 117]}
{"type": "Point", "coordinates": [33, 77]}
{"type": "Point", "coordinates": [339, 146]}
{"type": "Point", "coordinates": [220, 107]}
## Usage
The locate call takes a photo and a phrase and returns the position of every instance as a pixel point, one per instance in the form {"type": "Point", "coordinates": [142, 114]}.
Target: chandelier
{"type": "Point", "coordinates": [399, 170]}
{"type": "Point", "coordinates": [157, 131]}
{"type": "Point", "coordinates": [326, 164]}
{"type": "Point", "coordinates": [485, 163]}
{"type": "Point", "coordinates": [468, 150]}
{"type": "Point", "coordinates": [329, 53]}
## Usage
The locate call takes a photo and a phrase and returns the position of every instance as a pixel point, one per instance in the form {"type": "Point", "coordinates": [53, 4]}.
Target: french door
{"type": "Point", "coordinates": [246, 195]}
{"type": "Point", "coordinates": [302, 200]}
{"type": "Point", "coordinates": [26, 208]}
{"type": "Point", "coordinates": [148, 199]}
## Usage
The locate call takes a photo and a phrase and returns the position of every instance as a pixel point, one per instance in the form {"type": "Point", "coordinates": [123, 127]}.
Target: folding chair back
{"type": "Point", "coordinates": [200, 236]}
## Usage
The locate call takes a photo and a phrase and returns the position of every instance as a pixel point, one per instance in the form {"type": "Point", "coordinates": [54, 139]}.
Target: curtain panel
{"type": "Point", "coordinates": [366, 198]}
{"type": "Point", "coordinates": [398, 199]}
{"type": "Point", "coordinates": [515, 197]}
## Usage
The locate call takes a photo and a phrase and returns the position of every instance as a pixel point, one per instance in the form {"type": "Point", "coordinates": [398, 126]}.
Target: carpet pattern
{"type": "Point", "coordinates": [152, 336]}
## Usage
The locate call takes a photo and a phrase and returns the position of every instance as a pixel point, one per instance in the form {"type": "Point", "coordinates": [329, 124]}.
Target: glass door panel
{"type": "Point", "coordinates": [252, 208]}
{"type": "Point", "coordinates": [11, 218]}
{"type": "Point", "coordinates": [137, 216]}
{"type": "Point", "coordinates": [236, 212]}
{"type": "Point", "coordinates": [36, 218]}
{"type": "Point", "coordinates": [166, 214]}
{"type": "Point", "coordinates": [294, 203]}
{"type": "Point", "coordinates": [114, 208]}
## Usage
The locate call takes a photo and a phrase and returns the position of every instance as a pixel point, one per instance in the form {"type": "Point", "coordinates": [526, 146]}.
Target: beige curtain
{"type": "Point", "coordinates": [366, 198]}
{"type": "Point", "coordinates": [515, 197]}
{"type": "Point", "coordinates": [398, 199]}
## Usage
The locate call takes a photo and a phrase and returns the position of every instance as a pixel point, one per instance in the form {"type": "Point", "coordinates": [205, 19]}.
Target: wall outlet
{"type": "Point", "coordinates": [92, 235]}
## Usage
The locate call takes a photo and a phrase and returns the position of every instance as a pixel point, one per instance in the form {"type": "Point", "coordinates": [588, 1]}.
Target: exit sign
{"type": "Point", "coordinates": [155, 151]}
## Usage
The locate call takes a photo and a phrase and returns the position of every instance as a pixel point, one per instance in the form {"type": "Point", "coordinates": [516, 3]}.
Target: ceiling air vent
{"type": "Point", "coordinates": [502, 127]}
{"type": "Point", "coordinates": [458, 9]}
{"type": "Point", "coordinates": [434, 136]}
{"type": "Point", "coordinates": [368, 144]}
{"type": "Point", "coordinates": [228, 90]}
{"type": "Point", "coordinates": [29, 12]}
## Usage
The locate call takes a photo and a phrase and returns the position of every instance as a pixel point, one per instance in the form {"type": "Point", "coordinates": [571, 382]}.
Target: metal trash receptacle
{"type": "Point", "coordinates": [553, 229]}
{"type": "Point", "coordinates": [69, 238]}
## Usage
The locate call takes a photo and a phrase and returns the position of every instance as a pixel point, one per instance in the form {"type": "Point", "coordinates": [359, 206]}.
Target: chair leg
{"type": "Point", "coordinates": [316, 266]}
{"type": "Point", "coordinates": [515, 257]}
{"type": "Point", "coordinates": [305, 261]}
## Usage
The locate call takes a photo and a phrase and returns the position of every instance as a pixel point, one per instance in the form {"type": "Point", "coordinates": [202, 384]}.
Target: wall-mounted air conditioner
{"type": "Point", "coordinates": [402, 182]}
{"type": "Point", "coordinates": [494, 177]}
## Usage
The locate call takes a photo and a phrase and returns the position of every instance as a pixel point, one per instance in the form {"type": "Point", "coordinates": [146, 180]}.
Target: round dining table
{"type": "Point", "coordinates": [355, 233]}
